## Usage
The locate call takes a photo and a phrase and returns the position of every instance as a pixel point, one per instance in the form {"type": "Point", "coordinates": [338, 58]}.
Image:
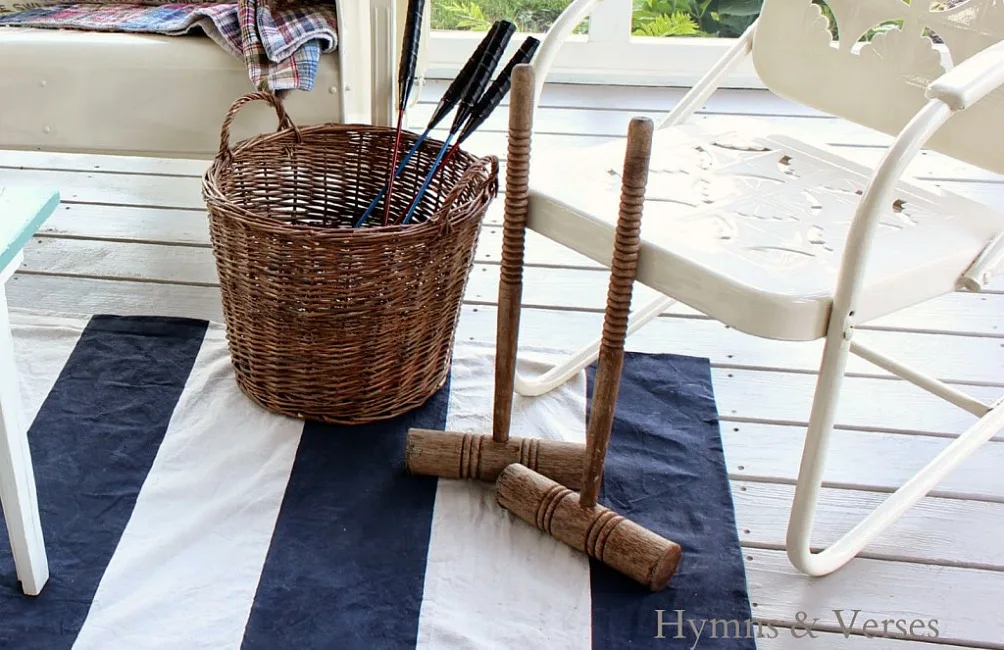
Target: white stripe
{"type": "Point", "coordinates": [185, 572]}
{"type": "Point", "coordinates": [42, 345]}
{"type": "Point", "coordinates": [492, 580]}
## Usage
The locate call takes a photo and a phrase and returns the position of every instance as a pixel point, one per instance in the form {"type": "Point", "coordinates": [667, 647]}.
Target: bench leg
{"type": "Point", "coordinates": [17, 478]}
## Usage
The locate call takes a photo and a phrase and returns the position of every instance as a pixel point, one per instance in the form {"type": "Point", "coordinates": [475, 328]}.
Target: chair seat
{"type": "Point", "coordinates": [749, 227]}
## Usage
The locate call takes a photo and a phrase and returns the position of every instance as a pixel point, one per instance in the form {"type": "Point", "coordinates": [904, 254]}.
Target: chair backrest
{"type": "Point", "coordinates": [881, 83]}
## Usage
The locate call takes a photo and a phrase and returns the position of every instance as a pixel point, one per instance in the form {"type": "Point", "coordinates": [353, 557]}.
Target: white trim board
{"type": "Point", "coordinates": [643, 61]}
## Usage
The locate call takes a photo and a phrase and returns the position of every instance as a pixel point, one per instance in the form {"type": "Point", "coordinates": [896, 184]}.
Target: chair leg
{"type": "Point", "coordinates": [813, 462]}
{"type": "Point", "coordinates": [562, 372]}
{"type": "Point", "coordinates": [17, 478]}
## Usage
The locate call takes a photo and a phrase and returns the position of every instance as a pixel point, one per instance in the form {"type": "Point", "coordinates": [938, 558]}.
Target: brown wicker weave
{"type": "Point", "coordinates": [325, 321]}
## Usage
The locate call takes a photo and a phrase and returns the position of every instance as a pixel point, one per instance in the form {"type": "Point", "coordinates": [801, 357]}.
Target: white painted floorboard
{"type": "Point", "coordinates": [131, 237]}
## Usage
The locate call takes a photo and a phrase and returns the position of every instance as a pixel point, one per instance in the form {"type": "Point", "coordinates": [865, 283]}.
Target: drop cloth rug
{"type": "Point", "coordinates": [177, 514]}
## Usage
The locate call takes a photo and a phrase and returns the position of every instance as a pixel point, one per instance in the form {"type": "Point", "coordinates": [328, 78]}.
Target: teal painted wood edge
{"type": "Point", "coordinates": [30, 227]}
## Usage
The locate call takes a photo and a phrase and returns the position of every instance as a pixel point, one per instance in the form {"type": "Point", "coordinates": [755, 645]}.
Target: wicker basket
{"type": "Point", "coordinates": [325, 321]}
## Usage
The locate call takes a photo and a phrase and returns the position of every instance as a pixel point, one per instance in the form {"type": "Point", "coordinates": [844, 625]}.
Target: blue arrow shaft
{"type": "Point", "coordinates": [397, 172]}
{"type": "Point", "coordinates": [428, 179]}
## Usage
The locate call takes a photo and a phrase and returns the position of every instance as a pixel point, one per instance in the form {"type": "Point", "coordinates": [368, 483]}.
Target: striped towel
{"type": "Point", "coordinates": [179, 515]}
{"type": "Point", "coordinates": [281, 48]}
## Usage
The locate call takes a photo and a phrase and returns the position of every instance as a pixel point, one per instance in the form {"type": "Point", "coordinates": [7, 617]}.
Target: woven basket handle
{"type": "Point", "coordinates": [489, 183]}
{"type": "Point", "coordinates": [280, 112]}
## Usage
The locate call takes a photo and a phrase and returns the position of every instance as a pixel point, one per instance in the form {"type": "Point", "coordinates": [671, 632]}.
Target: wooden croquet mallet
{"type": "Point", "coordinates": [478, 456]}
{"type": "Point", "coordinates": [577, 519]}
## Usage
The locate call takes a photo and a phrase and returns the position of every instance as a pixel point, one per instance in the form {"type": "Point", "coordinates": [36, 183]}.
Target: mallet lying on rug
{"type": "Point", "coordinates": [577, 519]}
{"type": "Point", "coordinates": [478, 456]}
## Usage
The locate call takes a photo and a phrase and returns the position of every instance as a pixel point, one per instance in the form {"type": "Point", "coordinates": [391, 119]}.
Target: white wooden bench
{"type": "Point", "coordinates": [140, 94]}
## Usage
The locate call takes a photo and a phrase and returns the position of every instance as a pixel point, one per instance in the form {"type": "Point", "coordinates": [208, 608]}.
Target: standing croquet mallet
{"type": "Point", "coordinates": [479, 456]}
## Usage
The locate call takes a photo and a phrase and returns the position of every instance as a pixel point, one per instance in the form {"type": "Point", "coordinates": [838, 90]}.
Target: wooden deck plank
{"type": "Point", "coordinates": [186, 191]}
{"type": "Point", "coordinates": [113, 189]}
{"type": "Point", "coordinates": [866, 404]}
{"type": "Point", "coordinates": [928, 165]}
{"type": "Point", "coordinates": [88, 296]}
{"type": "Point", "coordinates": [64, 241]}
{"type": "Point", "coordinates": [101, 163]}
{"type": "Point", "coordinates": [958, 359]}
{"type": "Point", "coordinates": [946, 532]}
{"type": "Point", "coordinates": [754, 395]}
{"type": "Point", "coordinates": [762, 396]}
{"type": "Point", "coordinates": [191, 227]}
{"type": "Point", "coordinates": [965, 603]}
{"type": "Point", "coordinates": [879, 462]}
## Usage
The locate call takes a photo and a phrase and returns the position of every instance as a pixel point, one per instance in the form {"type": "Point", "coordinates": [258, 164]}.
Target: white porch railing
{"type": "Point", "coordinates": [608, 54]}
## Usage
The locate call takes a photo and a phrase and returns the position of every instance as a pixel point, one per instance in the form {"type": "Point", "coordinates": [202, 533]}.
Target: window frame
{"type": "Point", "coordinates": [607, 54]}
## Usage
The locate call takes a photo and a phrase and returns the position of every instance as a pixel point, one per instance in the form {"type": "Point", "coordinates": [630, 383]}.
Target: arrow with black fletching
{"type": "Point", "coordinates": [479, 82]}
{"type": "Point", "coordinates": [449, 99]}
{"type": "Point", "coordinates": [405, 81]}
{"type": "Point", "coordinates": [493, 96]}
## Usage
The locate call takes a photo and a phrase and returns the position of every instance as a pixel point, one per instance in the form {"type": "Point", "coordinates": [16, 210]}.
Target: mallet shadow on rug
{"type": "Point", "coordinates": [536, 479]}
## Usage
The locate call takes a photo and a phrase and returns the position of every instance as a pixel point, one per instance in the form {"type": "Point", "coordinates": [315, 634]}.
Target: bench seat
{"type": "Point", "coordinates": [146, 94]}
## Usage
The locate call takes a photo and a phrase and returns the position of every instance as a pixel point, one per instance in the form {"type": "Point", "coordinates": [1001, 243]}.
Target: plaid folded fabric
{"type": "Point", "coordinates": [280, 48]}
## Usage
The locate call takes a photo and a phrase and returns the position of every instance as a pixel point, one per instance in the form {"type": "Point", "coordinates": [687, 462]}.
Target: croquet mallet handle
{"type": "Point", "coordinates": [517, 190]}
{"type": "Point", "coordinates": [623, 269]}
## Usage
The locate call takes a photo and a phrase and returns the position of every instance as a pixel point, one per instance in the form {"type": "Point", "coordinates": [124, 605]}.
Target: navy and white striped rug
{"type": "Point", "coordinates": [177, 514]}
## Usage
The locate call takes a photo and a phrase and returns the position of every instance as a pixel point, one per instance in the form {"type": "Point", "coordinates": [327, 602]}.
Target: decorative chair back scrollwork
{"type": "Point", "coordinates": [881, 84]}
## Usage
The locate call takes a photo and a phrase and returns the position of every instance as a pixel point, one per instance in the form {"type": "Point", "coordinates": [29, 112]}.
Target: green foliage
{"type": "Point", "coordinates": [533, 16]}
{"type": "Point", "coordinates": [883, 27]}
{"type": "Point", "coordinates": [877, 29]}
{"type": "Point", "coordinates": [724, 18]}
{"type": "Point", "coordinates": [659, 18]}
{"type": "Point", "coordinates": [463, 16]}
{"type": "Point", "coordinates": [663, 18]}
{"type": "Point", "coordinates": [662, 25]}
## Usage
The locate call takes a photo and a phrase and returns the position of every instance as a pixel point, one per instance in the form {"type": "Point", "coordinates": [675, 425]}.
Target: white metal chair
{"type": "Point", "coordinates": [789, 241]}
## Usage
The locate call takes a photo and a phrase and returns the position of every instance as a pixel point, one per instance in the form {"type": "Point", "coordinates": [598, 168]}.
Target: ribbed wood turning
{"type": "Point", "coordinates": [627, 241]}
{"type": "Point", "coordinates": [476, 456]}
{"type": "Point", "coordinates": [513, 239]}
{"type": "Point", "coordinates": [597, 531]}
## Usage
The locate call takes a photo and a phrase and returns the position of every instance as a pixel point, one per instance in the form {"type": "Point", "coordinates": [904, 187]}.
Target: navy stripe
{"type": "Point", "coordinates": [666, 470]}
{"type": "Point", "coordinates": [92, 443]}
{"type": "Point", "coordinates": [346, 566]}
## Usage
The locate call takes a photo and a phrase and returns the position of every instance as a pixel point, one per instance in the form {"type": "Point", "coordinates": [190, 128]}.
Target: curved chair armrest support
{"type": "Point", "coordinates": [561, 29]}
{"type": "Point", "coordinates": [971, 80]}
{"type": "Point", "coordinates": [986, 265]}
{"type": "Point", "coordinates": [878, 193]}
{"type": "Point", "coordinates": [711, 80]}
{"type": "Point", "coordinates": [961, 87]}
{"type": "Point", "coordinates": [957, 89]}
